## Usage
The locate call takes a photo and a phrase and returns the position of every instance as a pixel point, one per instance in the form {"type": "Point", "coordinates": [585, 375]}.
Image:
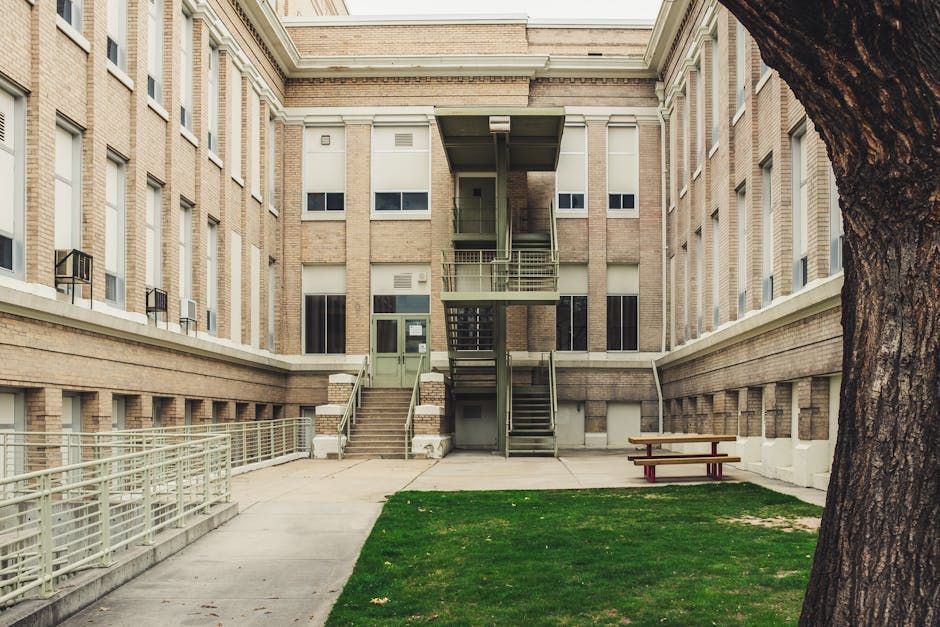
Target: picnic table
{"type": "Point", "coordinates": [713, 461]}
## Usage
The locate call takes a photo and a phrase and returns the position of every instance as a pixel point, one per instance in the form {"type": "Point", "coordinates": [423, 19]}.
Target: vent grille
{"type": "Point", "coordinates": [404, 140]}
{"type": "Point", "coordinates": [324, 140]}
{"type": "Point", "coordinates": [3, 127]}
{"type": "Point", "coordinates": [402, 281]}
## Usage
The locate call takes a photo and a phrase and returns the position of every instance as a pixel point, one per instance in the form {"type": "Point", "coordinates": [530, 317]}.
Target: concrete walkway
{"type": "Point", "coordinates": [285, 558]}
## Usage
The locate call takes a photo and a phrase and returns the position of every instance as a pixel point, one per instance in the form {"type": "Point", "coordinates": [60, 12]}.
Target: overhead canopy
{"type": "Point", "coordinates": [534, 137]}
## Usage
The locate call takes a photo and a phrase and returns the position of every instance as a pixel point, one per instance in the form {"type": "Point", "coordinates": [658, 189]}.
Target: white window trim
{"type": "Point", "coordinates": [213, 100]}
{"type": "Point", "coordinates": [571, 324]}
{"type": "Point", "coordinates": [622, 213]}
{"type": "Point", "coordinates": [72, 33]}
{"type": "Point", "coordinates": [400, 215]}
{"type": "Point", "coordinates": [575, 213]}
{"type": "Point", "coordinates": [157, 59]}
{"type": "Point", "coordinates": [158, 109]}
{"type": "Point", "coordinates": [120, 38]}
{"type": "Point", "coordinates": [120, 75]}
{"type": "Point", "coordinates": [121, 208]}
{"type": "Point", "coordinates": [76, 182]}
{"type": "Point", "coordinates": [158, 237]}
{"type": "Point", "coordinates": [315, 216]}
{"type": "Point", "coordinates": [19, 178]}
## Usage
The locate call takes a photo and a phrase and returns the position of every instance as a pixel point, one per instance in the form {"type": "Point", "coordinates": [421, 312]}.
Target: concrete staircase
{"type": "Point", "coordinates": [379, 431]}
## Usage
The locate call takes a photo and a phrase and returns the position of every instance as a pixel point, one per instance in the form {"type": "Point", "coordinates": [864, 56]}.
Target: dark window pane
{"type": "Point", "coordinates": [387, 201]}
{"type": "Point", "coordinates": [6, 252]}
{"type": "Point", "coordinates": [386, 336]}
{"type": "Point", "coordinates": [151, 87]}
{"type": "Point", "coordinates": [564, 201]}
{"type": "Point", "coordinates": [579, 323]}
{"type": "Point", "coordinates": [577, 201]}
{"type": "Point", "coordinates": [112, 51]}
{"type": "Point", "coordinates": [413, 341]}
{"type": "Point", "coordinates": [630, 323]}
{"type": "Point", "coordinates": [563, 324]}
{"type": "Point", "coordinates": [613, 201]}
{"type": "Point", "coordinates": [383, 304]}
{"type": "Point", "coordinates": [629, 201]}
{"type": "Point", "coordinates": [315, 202]}
{"type": "Point", "coordinates": [415, 201]}
{"type": "Point", "coordinates": [110, 287]}
{"type": "Point", "coordinates": [413, 304]}
{"type": "Point", "coordinates": [335, 202]}
{"type": "Point", "coordinates": [314, 324]}
{"type": "Point", "coordinates": [614, 330]}
{"type": "Point", "coordinates": [336, 324]}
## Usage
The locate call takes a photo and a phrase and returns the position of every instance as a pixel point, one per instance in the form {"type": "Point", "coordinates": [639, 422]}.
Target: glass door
{"type": "Point", "coordinates": [416, 344]}
{"type": "Point", "coordinates": [386, 351]}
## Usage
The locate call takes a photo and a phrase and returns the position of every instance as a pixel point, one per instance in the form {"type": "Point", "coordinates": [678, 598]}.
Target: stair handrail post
{"type": "Point", "coordinates": [554, 398]}
{"type": "Point", "coordinates": [349, 414]}
{"type": "Point", "coordinates": [409, 420]}
{"type": "Point", "coordinates": [508, 400]}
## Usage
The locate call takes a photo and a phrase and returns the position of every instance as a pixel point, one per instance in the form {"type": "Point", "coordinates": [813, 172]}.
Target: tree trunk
{"type": "Point", "coordinates": [869, 77]}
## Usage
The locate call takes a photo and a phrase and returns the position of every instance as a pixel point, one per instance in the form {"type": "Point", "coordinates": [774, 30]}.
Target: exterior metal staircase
{"type": "Point", "coordinates": [531, 425]}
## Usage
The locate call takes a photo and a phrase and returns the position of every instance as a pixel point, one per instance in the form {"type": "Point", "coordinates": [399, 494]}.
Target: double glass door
{"type": "Point", "coordinates": [398, 343]}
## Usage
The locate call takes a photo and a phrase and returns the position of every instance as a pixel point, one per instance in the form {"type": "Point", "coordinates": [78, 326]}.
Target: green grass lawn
{"type": "Point", "coordinates": [663, 556]}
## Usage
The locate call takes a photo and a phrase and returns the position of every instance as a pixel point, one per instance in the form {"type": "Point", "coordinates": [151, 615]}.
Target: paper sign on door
{"type": "Point", "coordinates": [422, 348]}
{"type": "Point", "coordinates": [415, 330]}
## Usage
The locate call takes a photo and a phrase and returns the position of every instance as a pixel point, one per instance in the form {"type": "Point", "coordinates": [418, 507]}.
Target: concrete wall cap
{"type": "Point", "coordinates": [342, 378]}
{"type": "Point", "coordinates": [429, 410]}
{"type": "Point", "coordinates": [432, 377]}
{"type": "Point", "coordinates": [330, 410]}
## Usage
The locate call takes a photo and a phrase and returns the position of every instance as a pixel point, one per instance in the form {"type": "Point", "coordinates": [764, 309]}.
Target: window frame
{"type": "Point", "coordinates": [623, 326]}
{"type": "Point", "coordinates": [622, 211]}
{"type": "Point", "coordinates": [401, 212]}
{"type": "Point", "coordinates": [742, 265]}
{"type": "Point", "coordinates": [212, 275]}
{"type": "Point", "coordinates": [185, 248]}
{"type": "Point", "coordinates": [800, 175]}
{"type": "Point", "coordinates": [326, 212]}
{"type": "Point", "coordinates": [18, 189]}
{"type": "Point", "coordinates": [768, 220]}
{"type": "Point", "coordinates": [187, 69]}
{"type": "Point", "coordinates": [236, 116]}
{"type": "Point", "coordinates": [571, 211]}
{"type": "Point", "coordinates": [571, 323]}
{"type": "Point", "coordinates": [326, 320]}
{"type": "Point", "coordinates": [212, 108]}
{"type": "Point", "coordinates": [75, 183]}
{"type": "Point", "coordinates": [836, 225]}
{"type": "Point", "coordinates": [119, 207]}
{"type": "Point", "coordinates": [155, 50]}
{"type": "Point", "coordinates": [716, 276]}
{"type": "Point", "coordinates": [740, 64]}
{"type": "Point", "coordinates": [153, 260]}
{"type": "Point", "coordinates": [71, 12]}
{"type": "Point", "coordinates": [117, 41]}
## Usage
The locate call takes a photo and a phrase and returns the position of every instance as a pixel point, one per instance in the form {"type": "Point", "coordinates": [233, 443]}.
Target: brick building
{"type": "Point", "coordinates": [209, 207]}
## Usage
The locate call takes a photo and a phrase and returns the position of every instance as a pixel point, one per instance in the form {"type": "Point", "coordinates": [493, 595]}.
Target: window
{"type": "Point", "coordinates": [235, 285]}
{"type": "Point", "coordinates": [212, 111]}
{"type": "Point", "coordinates": [68, 192]}
{"type": "Point", "coordinates": [571, 176]}
{"type": "Point", "coordinates": [716, 264]}
{"type": "Point", "coordinates": [212, 276]}
{"type": "Point", "coordinates": [622, 167]}
{"type": "Point", "coordinates": [254, 141]}
{"type": "Point", "coordinates": [235, 119]}
{"type": "Point", "coordinates": [152, 229]}
{"type": "Point", "coordinates": [799, 151]}
{"type": "Point", "coordinates": [740, 70]}
{"type": "Point", "coordinates": [400, 168]}
{"type": "Point", "coordinates": [155, 49]}
{"type": "Point", "coordinates": [186, 71]}
{"type": "Point", "coordinates": [699, 115]}
{"type": "Point", "coordinates": [272, 187]}
{"type": "Point", "coordinates": [742, 251]}
{"type": "Point", "coordinates": [411, 303]}
{"type": "Point", "coordinates": [571, 323]}
{"type": "Point", "coordinates": [683, 158]}
{"type": "Point", "coordinates": [324, 315]}
{"type": "Point", "coordinates": [836, 228]}
{"type": "Point", "coordinates": [114, 234]}
{"type": "Point", "coordinates": [699, 283]}
{"type": "Point", "coordinates": [324, 168]}
{"type": "Point", "coordinates": [767, 240]}
{"type": "Point", "coordinates": [12, 181]}
{"type": "Point", "coordinates": [716, 88]}
{"type": "Point", "coordinates": [186, 251]}
{"type": "Point", "coordinates": [71, 12]}
{"type": "Point", "coordinates": [254, 303]}
{"type": "Point", "coordinates": [272, 296]}
{"type": "Point", "coordinates": [117, 33]}
{"type": "Point", "coordinates": [687, 293]}
{"type": "Point", "coordinates": [623, 283]}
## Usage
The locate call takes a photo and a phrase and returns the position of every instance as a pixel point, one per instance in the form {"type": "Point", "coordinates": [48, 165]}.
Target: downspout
{"type": "Point", "coordinates": [664, 209]}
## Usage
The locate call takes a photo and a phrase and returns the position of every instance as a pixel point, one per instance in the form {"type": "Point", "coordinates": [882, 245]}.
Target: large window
{"type": "Point", "coordinates": [272, 296]}
{"type": "Point", "coordinates": [622, 167]}
{"type": "Point", "coordinates": [71, 12]}
{"type": "Point", "coordinates": [212, 276]}
{"type": "Point", "coordinates": [716, 88]}
{"type": "Point", "coordinates": [68, 191]}
{"type": "Point", "coordinates": [699, 283]}
{"type": "Point", "coordinates": [742, 250]}
{"type": "Point", "coordinates": [767, 241]}
{"type": "Point", "coordinates": [235, 285]}
{"type": "Point", "coordinates": [212, 112]}
{"type": "Point", "coordinates": [400, 168]}
{"type": "Point", "coordinates": [716, 265]}
{"type": "Point", "coordinates": [571, 176]}
{"type": "Point", "coordinates": [153, 227]}
{"type": "Point", "coordinates": [254, 141]}
{"type": "Point", "coordinates": [272, 162]}
{"type": "Point", "coordinates": [571, 323]}
{"type": "Point", "coordinates": [117, 33]}
{"type": "Point", "coordinates": [324, 168]}
{"type": "Point", "coordinates": [185, 245]}
{"type": "Point", "coordinates": [740, 65]}
{"type": "Point", "coordinates": [254, 304]}
{"type": "Point", "coordinates": [623, 285]}
{"type": "Point", "coordinates": [155, 49]}
{"type": "Point", "coordinates": [12, 182]}
{"type": "Point", "coordinates": [235, 120]}
{"type": "Point", "coordinates": [699, 115]}
{"type": "Point", "coordinates": [114, 237]}
{"type": "Point", "coordinates": [324, 291]}
{"type": "Point", "coordinates": [799, 151]}
{"type": "Point", "coordinates": [186, 71]}
{"type": "Point", "coordinates": [836, 228]}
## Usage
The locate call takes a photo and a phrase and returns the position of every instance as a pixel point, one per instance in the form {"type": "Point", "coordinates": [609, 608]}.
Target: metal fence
{"type": "Point", "coordinates": [71, 501]}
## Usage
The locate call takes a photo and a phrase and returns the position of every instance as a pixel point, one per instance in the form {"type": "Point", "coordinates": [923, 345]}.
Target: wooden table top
{"type": "Point", "coordinates": [682, 438]}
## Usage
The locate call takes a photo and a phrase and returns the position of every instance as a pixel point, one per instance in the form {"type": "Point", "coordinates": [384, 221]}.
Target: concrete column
{"type": "Point", "coordinates": [749, 403]}
{"type": "Point", "coordinates": [703, 422]}
{"type": "Point", "coordinates": [777, 410]}
{"type": "Point", "coordinates": [43, 414]}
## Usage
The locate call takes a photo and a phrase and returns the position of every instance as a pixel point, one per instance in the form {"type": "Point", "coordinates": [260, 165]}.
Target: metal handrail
{"type": "Point", "coordinates": [508, 400]}
{"type": "Point", "coordinates": [527, 270]}
{"type": "Point", "coordinates": [352, 404]}
{"type": "Point", "coordinates": [554, 397]}
{"type": "Point", "coordinates": [409, 420]}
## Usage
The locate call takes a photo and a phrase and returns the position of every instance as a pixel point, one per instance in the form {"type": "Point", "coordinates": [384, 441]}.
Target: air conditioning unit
{"type": "Point", "coordinates": [156, 301]}
{"type": "Point", "coordinates": [73, 265]}
{"type": "Point", "coordinates": [188, 311]}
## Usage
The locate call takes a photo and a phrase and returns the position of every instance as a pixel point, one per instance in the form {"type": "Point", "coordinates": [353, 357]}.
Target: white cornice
{"type": "Point", "coordinates": [665, 29]}
{"type": "Point", "coordinates": [405, 20]}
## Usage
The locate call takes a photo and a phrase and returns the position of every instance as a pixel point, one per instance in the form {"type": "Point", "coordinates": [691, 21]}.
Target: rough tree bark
{"type": "Point", "coordinates": [868, 74]}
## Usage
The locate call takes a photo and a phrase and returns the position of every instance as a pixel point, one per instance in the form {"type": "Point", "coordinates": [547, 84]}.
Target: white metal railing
{"type": "Point", "coordinates": [415, 394]}
{"type": "Point", "coordinates": [508, 400]}
{"type": "Point", "coordinates": [526, 270]}
{"type": "Point", "coordinates": [62, 519]}
{"type": "Point", "coordinates": [348, 421]}
{"type": "Point", "coordinates": [553, 393]}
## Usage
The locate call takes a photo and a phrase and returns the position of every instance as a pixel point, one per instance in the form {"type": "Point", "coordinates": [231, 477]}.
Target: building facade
{"type": "Point", "coordinates": [211, 206]}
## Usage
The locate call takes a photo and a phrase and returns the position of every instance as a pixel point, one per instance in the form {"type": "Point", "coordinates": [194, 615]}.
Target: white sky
{"type": "Point", "coordinates": [579, 9]}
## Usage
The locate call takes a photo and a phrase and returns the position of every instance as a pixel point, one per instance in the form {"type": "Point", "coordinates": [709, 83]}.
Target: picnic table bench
{"type": "Point", "coordinates": [713, 461]}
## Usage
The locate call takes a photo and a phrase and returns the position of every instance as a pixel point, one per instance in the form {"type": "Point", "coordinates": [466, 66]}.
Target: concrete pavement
{"type": "Point", "coordinates": [285, 558]}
